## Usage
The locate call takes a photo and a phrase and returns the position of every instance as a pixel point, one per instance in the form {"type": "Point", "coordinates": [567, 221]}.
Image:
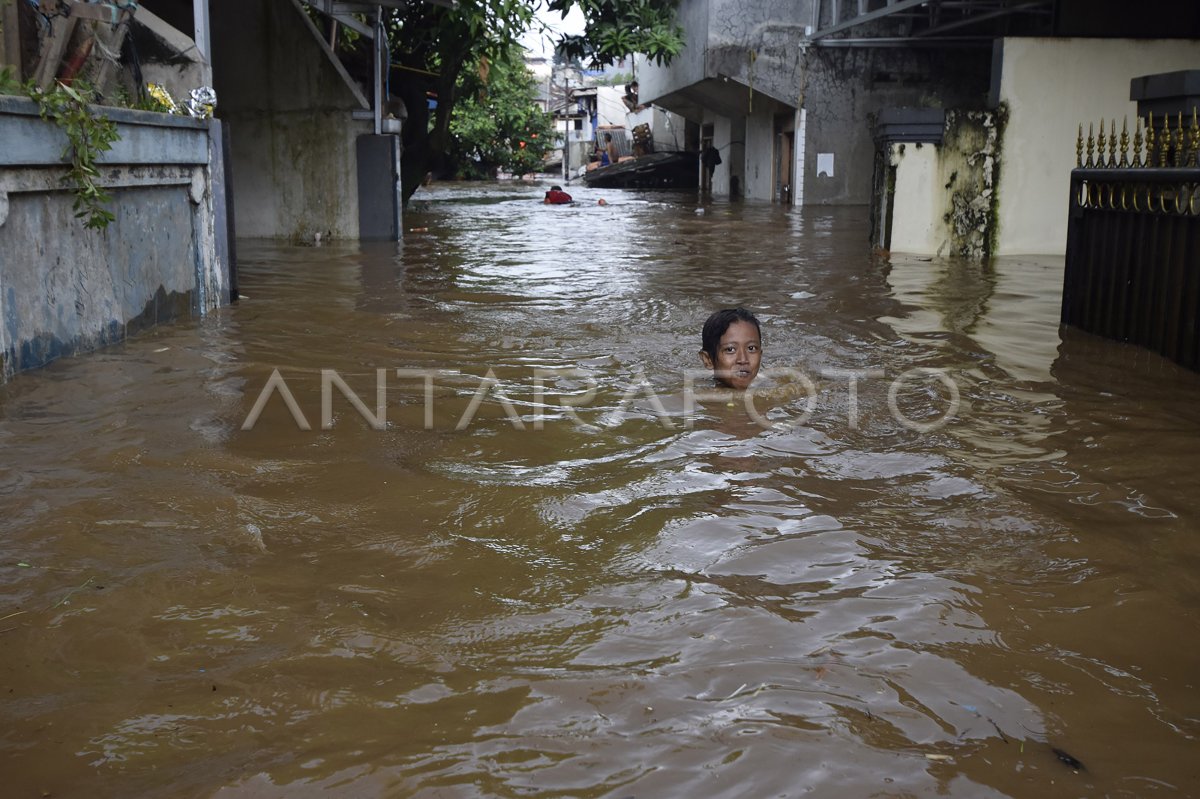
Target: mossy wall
{"type": "Point", "coordinates": [970, 151]}
{"type": "Point", "coordinates": [945, 195]}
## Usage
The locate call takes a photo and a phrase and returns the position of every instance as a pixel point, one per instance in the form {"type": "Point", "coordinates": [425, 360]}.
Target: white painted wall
{"type": "Point", "coordinates": [1051, 86]}
{"type": "Point", "coordinates": [666, 127]}
{"type": "Point", "coordinates": [760, 154]}
{"type": "Point", "coordinates": [644, 117]}
{"type": "Point", "coordinates": [669, 130]}
{"type": "Point", "coordinates": [609, 108]}
{"type": "Point", "coordinates": [919, 203]}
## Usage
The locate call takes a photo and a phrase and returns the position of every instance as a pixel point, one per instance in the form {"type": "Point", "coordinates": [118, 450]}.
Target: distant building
{"type": "Point", "coordinates": [584, 109]}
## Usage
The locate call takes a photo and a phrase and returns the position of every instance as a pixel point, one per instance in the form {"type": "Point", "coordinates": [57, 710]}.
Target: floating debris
{"type": "Point", "coordinates": [66, 599]}
{"type": "Point", "coordinates": [1068, 759]}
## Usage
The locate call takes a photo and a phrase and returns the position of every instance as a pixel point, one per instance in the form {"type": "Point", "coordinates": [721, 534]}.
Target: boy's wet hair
{"type": "Point", "coordinates": [556, 188]}
{"type": "Point", "coordinates": [719, 322]}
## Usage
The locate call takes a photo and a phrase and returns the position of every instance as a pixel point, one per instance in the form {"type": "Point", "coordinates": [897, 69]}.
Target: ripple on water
{"type": "Point", "coordinates": [594, 603]}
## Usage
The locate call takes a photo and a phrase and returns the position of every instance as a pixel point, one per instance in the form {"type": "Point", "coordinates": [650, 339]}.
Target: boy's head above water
{"type": "Point", "coordinates": [731, 345]}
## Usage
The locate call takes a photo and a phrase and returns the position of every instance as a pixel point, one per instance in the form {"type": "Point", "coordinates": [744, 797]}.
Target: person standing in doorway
{"type": "Point", "coordinates": [711, 157]}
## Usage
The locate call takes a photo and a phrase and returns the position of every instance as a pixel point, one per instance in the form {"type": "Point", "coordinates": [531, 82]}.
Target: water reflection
{"type": "Point", "coordinates": [605, 605]}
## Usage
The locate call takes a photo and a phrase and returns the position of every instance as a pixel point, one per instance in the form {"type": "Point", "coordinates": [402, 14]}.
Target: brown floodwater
{"type": "Point", "coordinates": [973, 570]}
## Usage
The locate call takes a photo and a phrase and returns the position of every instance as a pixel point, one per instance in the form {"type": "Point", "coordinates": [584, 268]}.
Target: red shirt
{"type": "Point", "coordinates": [555, 197]}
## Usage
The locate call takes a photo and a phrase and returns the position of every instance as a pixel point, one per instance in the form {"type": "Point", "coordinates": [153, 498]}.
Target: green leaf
{"type": "Point", "coordinates": [88, 137]}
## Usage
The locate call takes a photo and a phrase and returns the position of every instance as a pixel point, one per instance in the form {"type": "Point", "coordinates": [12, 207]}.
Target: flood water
{"type": "Point", "coordinates": [545, 576]}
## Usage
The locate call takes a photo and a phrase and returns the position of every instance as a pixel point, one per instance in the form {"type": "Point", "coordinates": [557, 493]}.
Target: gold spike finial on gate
{"type": "Point", "coordinates": [1137, 143]}
{"type": "Point", "coordinates": [1124, 142]}
{"type": "Point", "coordinates": [1091, 144]}
{"type": "Point", "coordinates": [1179, 141]}
{"type": "Point", "coordinates": [1101, 147]}
{"type": "Point", "coordinates": [1164, 142]}
{"type": "Point", "coordinates": [1079, 147]}
{"type": "Point", "coordinates": [1193, 158]}
{"type": "Point", "coordinates": [1112, 145]}
{"type": "Point", "coordinates": [1150, 144]}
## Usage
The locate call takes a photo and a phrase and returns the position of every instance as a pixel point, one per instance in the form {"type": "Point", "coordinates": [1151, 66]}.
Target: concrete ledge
{"type": "Point", "coordinates": [1166, 94]}
{"type": "Point", "coordinates": [11, 104]}
{"type": "Point", "coordinates": [145, 137]}
{"type": "Point", "coordinates": [54, 178]}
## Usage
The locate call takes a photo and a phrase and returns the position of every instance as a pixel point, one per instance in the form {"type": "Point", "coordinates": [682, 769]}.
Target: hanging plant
{"type": "Point", "coordinates": [88, 136]}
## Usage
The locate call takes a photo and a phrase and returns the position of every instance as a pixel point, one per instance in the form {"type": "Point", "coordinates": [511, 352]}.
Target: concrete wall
{"type": "Point", "coordinates": [688, 67]}
{"type": "Point", "coordinates": [66, 289]}
{"type": "Point", "coordinates": [173, 61]}
{"type": "Point", "coordinates": [288, 103]}
{"type": "Point", "coordinates": [734, 52]}
{"type": "Point", "coordinates": [847, 87]}
{"type": "Point", "coordinates": [1051, 86]}
{"type": "Point", "coordinates": [753, 44]}
{"type": "Point", "coordinates": [10, 42]}
{"type": "Point", "coordinates": [609, 108]}
{"type": "Point", "coordinates": [756, 44]}
{"type": "Point", "coordinates": [744, 59]}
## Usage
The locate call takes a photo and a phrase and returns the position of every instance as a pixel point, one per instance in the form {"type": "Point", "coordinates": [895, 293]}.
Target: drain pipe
{"type": "Point", "coordinates": [379, 67]}
{"type": "Point", "coordinates": [567, 132]}
{"type": "Point", "coordinates": [801, 148]}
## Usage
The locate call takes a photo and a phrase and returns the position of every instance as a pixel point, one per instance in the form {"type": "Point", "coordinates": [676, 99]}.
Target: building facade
{"type": "Point", "coordinates": [789, 115]}
{"type": "Point", "coordinates": [792, 94]}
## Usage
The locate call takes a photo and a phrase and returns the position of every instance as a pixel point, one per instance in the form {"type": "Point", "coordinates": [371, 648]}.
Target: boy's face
{"type": "Point", "coordinates": [739, 354]}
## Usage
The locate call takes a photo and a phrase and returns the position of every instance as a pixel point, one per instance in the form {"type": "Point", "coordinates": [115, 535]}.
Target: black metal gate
{"type": "Point", "coordinates": [1133, 245]}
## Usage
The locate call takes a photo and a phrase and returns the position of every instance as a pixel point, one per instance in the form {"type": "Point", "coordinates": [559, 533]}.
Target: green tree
{"type": "Point", "coordinates": [432, 45]}
{"type": "Point", "coordinates": [618, 28]}
{"type": "Point", "coordinates": [496, 123]}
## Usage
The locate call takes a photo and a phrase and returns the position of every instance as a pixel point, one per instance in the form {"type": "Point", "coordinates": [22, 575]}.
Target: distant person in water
{"type": "Point", "coordinates": [556, 196]}
{"type": "Point", "coordinates": [731, 345]}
